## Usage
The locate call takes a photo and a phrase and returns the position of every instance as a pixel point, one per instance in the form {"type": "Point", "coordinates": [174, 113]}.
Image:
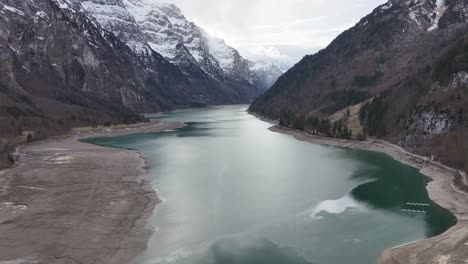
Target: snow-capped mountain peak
{"type": "Point", "coordinates": [161, 28]}
{"type": "Point", "coordinates": [222, 52]}
{"type": "Point", "coordinates": [171, 34]}
{"type": "Point", "coordinates": [265, 73]}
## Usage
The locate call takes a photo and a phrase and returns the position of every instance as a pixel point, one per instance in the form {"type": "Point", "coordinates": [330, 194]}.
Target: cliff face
{"type": "Point", "coordinates": [404, 65]}
{"type": "Point", "coordinates": [217, 73]}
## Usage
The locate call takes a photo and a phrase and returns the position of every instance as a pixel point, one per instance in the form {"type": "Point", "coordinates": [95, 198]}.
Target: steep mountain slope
{"type": "Point", "coordinates": [407, 56]}
{"type": "Point", "coordinates": [67, 63]}
{"type": "Point", "coordinates": [185, 44]}
{"type": "Point", "coordinates": [114, 16]}
{"type": "Point", "coordinates": [59, 69]}
{"type": "Point", "coordinates": [265, 74]}
{"type": "Point", "coordinates": [217, 73]}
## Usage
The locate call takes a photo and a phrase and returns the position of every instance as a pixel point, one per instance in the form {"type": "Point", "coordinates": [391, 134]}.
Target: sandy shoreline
{"type": "Point", "coordinates": [71, 202]}
{"type": "Point", "coordinates": [449, 248]}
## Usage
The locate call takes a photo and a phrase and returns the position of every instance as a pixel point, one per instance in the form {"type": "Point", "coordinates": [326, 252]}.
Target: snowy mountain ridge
{"type": "Point", "coordinates": [161, 27]}
{"type": "Point", "coordinates": [168, 31]}
{"type": "Point", "coordinates": [265, 73]}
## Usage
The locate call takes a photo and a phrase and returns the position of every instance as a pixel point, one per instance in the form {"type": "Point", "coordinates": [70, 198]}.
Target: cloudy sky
{"type": "Point", "coordinates": [283, 29]}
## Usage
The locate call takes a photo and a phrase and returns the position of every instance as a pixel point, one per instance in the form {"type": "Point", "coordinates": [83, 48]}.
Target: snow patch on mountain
{"type": "Point", "coordinates": [106, 13]}
{"type": "Point", "coordinates": [114, 17]}
{"type": "Point", "coordinates": [440, 10]}
{"type": "Point", "coordinates": [222, 52]}
{"type": "Point", "coordinates": [265, 74]}
{"type": "Point", "coordinates": [425, 13]}
{"type": "Point", "coordinates": [414, 17]}
{"type": "Point", "coordinates": [66, 4]}
{"type": "Point", "coordinates": [13, 10]}
{"type": "Point", "coordinates": [386, 6]}
{"type": "Point", "coordinates": [63, 4]}
{"type": "Point", "coordinates": [164, 27]}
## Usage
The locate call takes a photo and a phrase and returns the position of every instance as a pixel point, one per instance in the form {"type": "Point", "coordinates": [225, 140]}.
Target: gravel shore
{"type": "Point", "coordinates": [450, 247]}
{"type": "Point", "coordinates": [71, 202]}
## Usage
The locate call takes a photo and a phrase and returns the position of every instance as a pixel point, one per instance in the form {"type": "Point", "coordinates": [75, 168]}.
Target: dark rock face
{"type": "Point", "coordinates": [217, 73]}
{"type": "Point", "coordinates": [409, 54]}
{"type": "Point", "coordinates": [61, 69]}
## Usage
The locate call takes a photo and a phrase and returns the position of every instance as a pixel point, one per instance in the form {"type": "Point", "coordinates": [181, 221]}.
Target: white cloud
{"type": "Point", "coordinates": [276, 28]}
{"type": "Point", "coordinates": [270, 52]}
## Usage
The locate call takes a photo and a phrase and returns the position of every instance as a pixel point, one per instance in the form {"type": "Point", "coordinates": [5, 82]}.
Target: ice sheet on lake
{"type": "Point", "coordinates": [335, 206]}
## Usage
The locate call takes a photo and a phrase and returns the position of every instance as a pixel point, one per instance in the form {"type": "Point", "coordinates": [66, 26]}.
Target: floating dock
{"type": "Point", "coordinates": [419, 204]}
{"type": "Point", "coordinates": [414, 211]}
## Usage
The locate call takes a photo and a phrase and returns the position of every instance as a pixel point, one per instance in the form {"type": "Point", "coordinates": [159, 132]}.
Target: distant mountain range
{"type": "Point", "coordinates": [400, 74]}
{"type": "Point", "coordinates": [68, 63]}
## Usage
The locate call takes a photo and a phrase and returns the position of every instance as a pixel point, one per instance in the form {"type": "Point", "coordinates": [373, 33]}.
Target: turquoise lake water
{"type": "Point", "coordinates": [236, 193]}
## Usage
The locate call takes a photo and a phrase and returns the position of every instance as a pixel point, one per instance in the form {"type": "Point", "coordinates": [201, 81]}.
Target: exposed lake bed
{"type": "Point", "coordinates": [236, 192]}
{"type": "Point", "coordinates": [232, 191]}
{"type": "Point", "coordinates": [65, 201]}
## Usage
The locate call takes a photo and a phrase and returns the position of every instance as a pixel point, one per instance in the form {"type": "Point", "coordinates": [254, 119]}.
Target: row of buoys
{"type": "Point", "coordinates": [413, 211]}
{"type": "Point", "coordinates": [418, 204]}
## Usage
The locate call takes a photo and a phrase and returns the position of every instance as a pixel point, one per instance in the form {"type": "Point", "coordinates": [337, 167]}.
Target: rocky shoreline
{"type": "Point", "coordinates": [66, 201]}
{"type": "Point", "coordinates": [450, 247]}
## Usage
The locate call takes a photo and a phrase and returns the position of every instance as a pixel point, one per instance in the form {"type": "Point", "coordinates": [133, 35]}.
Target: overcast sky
{"type": "Point", "coordinates": [277, 28]}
